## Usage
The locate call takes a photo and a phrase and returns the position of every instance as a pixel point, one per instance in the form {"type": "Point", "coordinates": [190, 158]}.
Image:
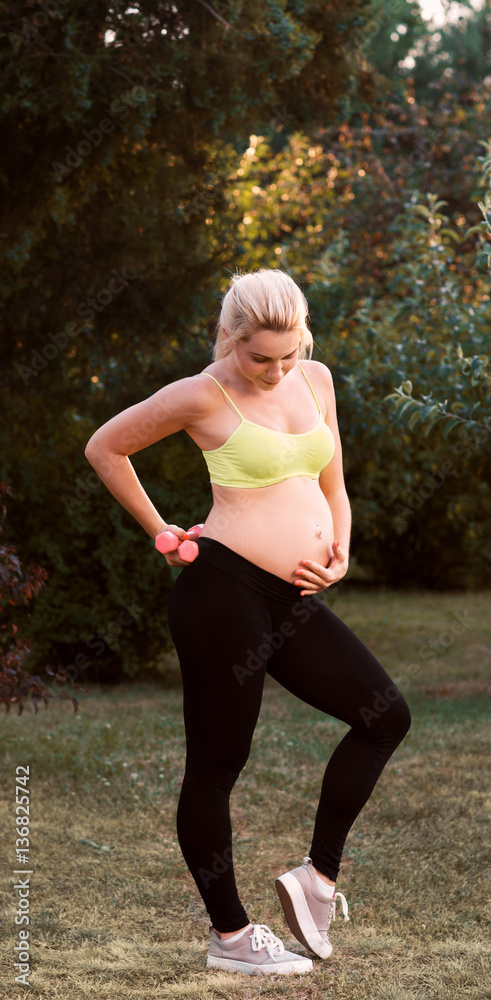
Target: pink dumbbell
{"type": "Point", "coordinates": [167, 541]}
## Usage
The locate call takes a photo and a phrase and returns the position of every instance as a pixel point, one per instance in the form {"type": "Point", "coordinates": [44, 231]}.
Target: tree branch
{"type": "Point", "coordinates": [220, 18]}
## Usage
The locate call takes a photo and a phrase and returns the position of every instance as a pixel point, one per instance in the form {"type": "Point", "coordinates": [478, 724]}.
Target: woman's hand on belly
{"type": "Point", "coordinates": [314, 577]}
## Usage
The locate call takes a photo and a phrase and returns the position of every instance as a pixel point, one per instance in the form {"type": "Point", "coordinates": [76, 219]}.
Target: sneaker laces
{"type": "Point", "coordinates": [262, 937]}
{"type": "Point", "coordinates": [344, 905]}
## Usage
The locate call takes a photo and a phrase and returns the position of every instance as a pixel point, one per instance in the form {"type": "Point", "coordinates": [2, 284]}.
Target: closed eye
{"type": "Point", "coordinates": [261, 359]}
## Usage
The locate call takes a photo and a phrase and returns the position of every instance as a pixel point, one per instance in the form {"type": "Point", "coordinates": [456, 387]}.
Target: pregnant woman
{"type": "Point", "coordinates": [277, 534]}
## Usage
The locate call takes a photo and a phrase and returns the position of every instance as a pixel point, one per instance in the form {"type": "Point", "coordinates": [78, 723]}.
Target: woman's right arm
{"type": "Point", "coordinates": [170, 409]}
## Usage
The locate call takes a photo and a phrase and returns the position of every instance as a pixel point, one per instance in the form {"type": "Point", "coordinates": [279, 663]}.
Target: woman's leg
{"type": "Point", "coordinates": [325, 664]}
{"type": "Point", "coordinates": [216, 622]}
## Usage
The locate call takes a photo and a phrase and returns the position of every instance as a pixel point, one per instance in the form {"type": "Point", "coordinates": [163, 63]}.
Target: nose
{"type": "Point", "coordinates": [274, 371]}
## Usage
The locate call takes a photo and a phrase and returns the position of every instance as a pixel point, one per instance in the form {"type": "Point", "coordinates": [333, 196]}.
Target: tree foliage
{"type": "Point", "coordinates": [18, 587]}
{"type": "Point", "coordinates": [161, 147]}
{"type": "Point", "coordinates": [467, 414]}
{"type": "Point", "coordinates": [456, 58]}
{"type": "Point", "coordinates": [125, 124]}
{"type": "Point", "coordinates": [393, 284]}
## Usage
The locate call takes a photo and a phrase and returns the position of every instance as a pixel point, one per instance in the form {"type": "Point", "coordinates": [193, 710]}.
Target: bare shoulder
{"type": "Point", "coordinates": [187, 399]}
{"type": "Point", "coordinates": [319, 374]}
{"type": "Point", "coordinates": [314, 366]}
{"type": "Point", "coordinates": [176, 406]}
{"type": "Point", "coordinates": [200, 394]}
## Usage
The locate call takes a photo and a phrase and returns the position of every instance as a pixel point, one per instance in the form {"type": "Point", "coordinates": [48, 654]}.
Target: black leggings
{"type": "Point", "coordinates": [231, 623]}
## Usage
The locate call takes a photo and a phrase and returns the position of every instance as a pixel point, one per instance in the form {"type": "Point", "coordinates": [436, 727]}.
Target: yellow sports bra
{"type": "Point", "coordinates": [255, 456]}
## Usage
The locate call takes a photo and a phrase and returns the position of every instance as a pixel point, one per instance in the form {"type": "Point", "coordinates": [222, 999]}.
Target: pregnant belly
{"type": "Point", "coordinates": [274, 527]}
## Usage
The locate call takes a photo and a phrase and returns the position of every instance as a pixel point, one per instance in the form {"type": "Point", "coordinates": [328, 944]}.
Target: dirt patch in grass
{"type": "Point", "coordinates": [459, 689]}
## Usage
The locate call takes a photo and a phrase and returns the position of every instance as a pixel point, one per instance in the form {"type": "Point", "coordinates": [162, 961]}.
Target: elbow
{"type": "Point", "coordinates": [101, 459]}
{"type": "Point", "coordinates": [92, 450]}
{"type": "Point", "coordinates": [88, 448]}
{"type": "Point", "coordinates": [95, 444]}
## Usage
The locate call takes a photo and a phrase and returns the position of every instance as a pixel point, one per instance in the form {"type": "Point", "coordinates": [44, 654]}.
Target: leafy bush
{"type": "Point", "coordinates": [394, 287]}
{"type": "Point", "coordinates": [16, 683]}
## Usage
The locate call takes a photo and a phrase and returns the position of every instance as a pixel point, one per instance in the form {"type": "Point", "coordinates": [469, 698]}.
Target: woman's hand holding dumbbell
{"type": "Point", "coordinates": [178, 545]}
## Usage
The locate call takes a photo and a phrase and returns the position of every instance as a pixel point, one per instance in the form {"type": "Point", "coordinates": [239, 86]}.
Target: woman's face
{"type": "Point", "coordinates": [267, 357]}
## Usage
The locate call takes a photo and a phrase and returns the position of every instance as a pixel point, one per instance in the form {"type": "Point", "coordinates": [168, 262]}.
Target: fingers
{"type": "Point", "coordinates": [314, 577]}
{"type": "Point", "coordinates": [196, 530]}
{"type": "Point", "coordinates": [310, 582]}
{"type": "Point", "coordinates": [309, 570]}
{"type": "Point", "coordinates": [174, 559]}
{"type": "Point", "coordinates": [172, 556]}
{"type": "Point", "coordinates": [176, 530]}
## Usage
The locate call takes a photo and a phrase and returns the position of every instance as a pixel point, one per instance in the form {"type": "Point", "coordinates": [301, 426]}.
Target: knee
{"type": "Point", "coordinates": [219, 771]}
{"type": "Point", "coordinates": [401, 718]}
{"type": "Point", "coordinates": [387, 717]}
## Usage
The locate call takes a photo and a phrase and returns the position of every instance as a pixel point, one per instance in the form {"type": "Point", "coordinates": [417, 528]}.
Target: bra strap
{"type": "Point", "coordinates": [224, 393]}
{"type": "Point", "coordinates": [310, 386]}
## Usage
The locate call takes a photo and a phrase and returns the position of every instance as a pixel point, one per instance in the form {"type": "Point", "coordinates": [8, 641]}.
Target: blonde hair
{"type": "Point", "coordinates": [267, 299]}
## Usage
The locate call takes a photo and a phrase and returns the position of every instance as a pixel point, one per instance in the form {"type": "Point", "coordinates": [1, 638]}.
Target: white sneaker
{"type": "Point", "coordinates": [307, 911]}
{"type": "Point", "coordinates": [255, 951]}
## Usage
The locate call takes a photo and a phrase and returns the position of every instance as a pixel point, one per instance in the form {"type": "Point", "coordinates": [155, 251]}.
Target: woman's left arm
{"type": "Point", "coordinates": [331, 481]}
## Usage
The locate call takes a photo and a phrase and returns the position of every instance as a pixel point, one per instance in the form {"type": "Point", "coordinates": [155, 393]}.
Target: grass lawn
{"type": "Point", "coordinates": [114, 911]}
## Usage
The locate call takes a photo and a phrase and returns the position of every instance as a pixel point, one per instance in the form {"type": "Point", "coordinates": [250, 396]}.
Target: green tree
{"type": "Point", "coordinates": [392, 284]}
{"type": "Point", "coordinates": [464, 420]}
{"type": "Point", "coordinates": [125, 124]}
{"type": "Point", "coordinates": [456, 58]}
{"type": "Point", "coordinates": [395, 28]}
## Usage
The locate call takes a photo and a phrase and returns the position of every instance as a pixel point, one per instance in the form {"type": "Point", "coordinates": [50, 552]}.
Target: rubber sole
{"type": "Point", "coordinates": [299, 917]}
{"type": "Point", "coordinates": [279, 968]}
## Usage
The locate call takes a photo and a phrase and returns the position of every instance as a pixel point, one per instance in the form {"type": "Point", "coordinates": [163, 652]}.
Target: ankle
{"type": "Point", "coordinates": [325, 879]}
{"type": "Point", "coordinates": [228, 934]}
